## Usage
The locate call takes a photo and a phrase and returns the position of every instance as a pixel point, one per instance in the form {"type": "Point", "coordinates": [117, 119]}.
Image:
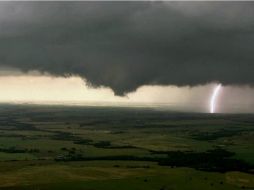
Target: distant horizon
{"type": "Point", "coordinates": [156, 106]}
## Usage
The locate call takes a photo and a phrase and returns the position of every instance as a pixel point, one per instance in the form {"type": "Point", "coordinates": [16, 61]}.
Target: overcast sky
{"type": "Point", "coordinates": [124, 48]}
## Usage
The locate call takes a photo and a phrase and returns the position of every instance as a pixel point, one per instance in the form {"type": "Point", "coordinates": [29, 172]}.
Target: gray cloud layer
{"type": "Point", "coordinates": [124, 45]}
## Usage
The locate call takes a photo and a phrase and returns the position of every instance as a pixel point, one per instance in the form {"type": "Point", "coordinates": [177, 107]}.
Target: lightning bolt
{"type": "Point", "coordinates": [214, 97]}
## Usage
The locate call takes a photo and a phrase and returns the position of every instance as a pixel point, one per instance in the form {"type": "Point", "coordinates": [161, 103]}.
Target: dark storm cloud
{"type": "Point", "coordinates": [124, 45]}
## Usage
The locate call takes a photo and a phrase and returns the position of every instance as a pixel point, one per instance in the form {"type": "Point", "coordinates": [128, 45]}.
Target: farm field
{"type": "Point", "coordinates": [75, 147]}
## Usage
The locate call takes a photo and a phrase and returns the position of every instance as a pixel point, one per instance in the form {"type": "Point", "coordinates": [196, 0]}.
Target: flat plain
{"type": "Point", "coordinates": [75, 147]}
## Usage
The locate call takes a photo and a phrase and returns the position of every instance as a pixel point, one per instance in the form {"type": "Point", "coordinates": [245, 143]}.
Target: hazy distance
{"type": "Point", "coordinates": [46, 89]}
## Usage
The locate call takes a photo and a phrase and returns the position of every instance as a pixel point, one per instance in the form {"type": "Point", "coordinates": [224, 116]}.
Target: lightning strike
{"type": "Point", "coordinates": [214, 98]}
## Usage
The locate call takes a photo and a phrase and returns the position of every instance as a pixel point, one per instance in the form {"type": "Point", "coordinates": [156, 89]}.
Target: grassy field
{"type": "Point", "coordinates": [64, 147]}
{"type": "Point", "coordinates": [128, 175]}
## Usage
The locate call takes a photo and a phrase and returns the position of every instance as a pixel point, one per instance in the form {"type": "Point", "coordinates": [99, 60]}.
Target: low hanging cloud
{"type": "Point", "coordinates": [124, 45]}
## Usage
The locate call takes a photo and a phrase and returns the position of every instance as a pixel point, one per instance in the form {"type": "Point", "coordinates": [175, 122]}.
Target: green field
{"type": "Point", "coordinates": [64, 147]}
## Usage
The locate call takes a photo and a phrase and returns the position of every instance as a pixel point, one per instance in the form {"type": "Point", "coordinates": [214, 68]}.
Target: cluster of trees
{"type": "Point", "coordinates": [102, 144]}
{"type": "Point", "coordinates": [218, 160]}
{"type": "Point", "coordinates": [108, 145]}
{"type": "Point", "coordinates": [14, 149]}
{"type": "Point", "coordinates": [71, 155]}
